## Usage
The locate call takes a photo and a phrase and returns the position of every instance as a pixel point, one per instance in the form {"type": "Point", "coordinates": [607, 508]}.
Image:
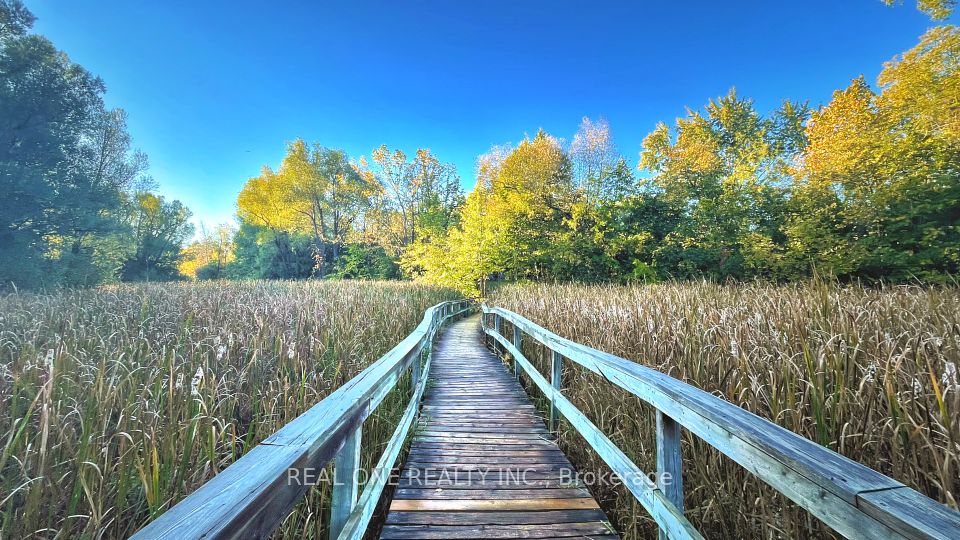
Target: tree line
{"type": "Point", "coordinates": [323, 215]}
{"type": "Point", "coordinates": [865, 187]}
{"type": "Point", "coordinates": [77, 205]}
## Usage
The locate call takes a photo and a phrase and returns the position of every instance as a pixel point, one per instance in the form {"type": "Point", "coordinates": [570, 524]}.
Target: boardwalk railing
{"type": "Point", "coordinates": [252, 496]}
{"type": "Point", "coordinates": [852, 499]}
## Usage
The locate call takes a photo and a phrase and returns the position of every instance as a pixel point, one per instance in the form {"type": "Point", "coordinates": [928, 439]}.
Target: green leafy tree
{"type": "Point", "coordinates": [266, 204]}
{"type": "Point", "coordinates": [262, 253]}
{"type": "Point", "coordinates": [328, 193]}
{"type": "Point", "coordinates": [65, 162]}
{"type": "Point", "coordinates": [729, 169]}
{"type": "Point", "coordinates": [362, 261]}
{"type": "Point", "coordinates": [209, 256]}
{"type": "Point", "coordinates": [160, 228]}
{"type": "Point", "coordinates": [420, 197]}
{"type": "Point", "coordinates": [531, 197]}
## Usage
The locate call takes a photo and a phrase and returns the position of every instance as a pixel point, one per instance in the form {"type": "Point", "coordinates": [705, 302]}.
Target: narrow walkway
{"type": "Point", "coordinates": [482, 464]}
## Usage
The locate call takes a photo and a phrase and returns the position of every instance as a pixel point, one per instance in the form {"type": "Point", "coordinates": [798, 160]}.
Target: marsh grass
{"type": "Point", "coordinates": [117, 402]}
{"type": "Point", "coordinates": [868, 372]}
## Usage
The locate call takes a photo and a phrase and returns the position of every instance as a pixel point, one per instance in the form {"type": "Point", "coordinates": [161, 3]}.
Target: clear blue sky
{"type": "Point", "coordinates": [214, 89]}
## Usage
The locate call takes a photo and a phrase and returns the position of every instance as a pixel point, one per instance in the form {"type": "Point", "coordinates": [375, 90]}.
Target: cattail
{"type": "Point", "coordinates": [48, 360]}
{"type": "Point", "coordinates": [195, 383]}
{"type": "Point", "coordinates": [949, 378]}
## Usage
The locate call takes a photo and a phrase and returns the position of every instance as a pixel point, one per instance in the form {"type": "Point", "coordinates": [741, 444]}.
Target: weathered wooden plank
{"type": "Point", "coordinates": [591, 537]}
{"type": "Point", "coordinates": [565, 530]}
{"type": "Point", "coordinates": [510, 471]}
{"type": "Point", "coordinates": [496, 326]}
{"type": "Point", "coordinates": [496, 475]}
{"type": "Point", "coordinates": [521, 430]}
{"type": "Point", "coordinates": [483, 422]}
{"type": "Point", "coordinates": [517, 343]}
{"type": "Point", "coordinates": [478, 409]}
{"type": "Point", "coordinates": [468, 505]}
{"type": "Point", "coordinates": [914, 518]}
{"type": "Point", "coordinates": [485, 483]}
{"type": "Point", "coordinates": [469, 447]}
{"type": "Point", "coordinates": [480, 396]}
{"type": "Point", "coordinates": [505, 416]}
{"type": "Point", "coordinates": [494, 452]}
{"type": "Point", "coordinates": [502, 459]}
{"type": "Point", "coordinates": [449, 435]}
{"type": "Point", "coordinates": [419, 439]}
{"type": "Point", "coordinates": [487, 403]}
{"type": "Point", "coordinates": [556, 381]}
{"type": "Point", "coordinates": [523, 456]}
{"type": "Point", "coordinates": [505, 470]}
{"type": "Point", "coordinates": [495, 518]}
{"type": "Point", "coordinates": [490, 493]}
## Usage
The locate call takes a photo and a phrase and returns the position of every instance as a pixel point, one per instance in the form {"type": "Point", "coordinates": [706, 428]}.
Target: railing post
{"type": "Point", "coordinates": [417, 367]}
{"type": "Point", "coordinates": [496, 327]}
{"type": "Point", "coordinates": [556, 380]}
{"type": "Point", "coordinates": [345, 487]}
{"type": "Point", "coordinates": [669, 463]}
{"type": "Point", "coordinates": [517, 340]}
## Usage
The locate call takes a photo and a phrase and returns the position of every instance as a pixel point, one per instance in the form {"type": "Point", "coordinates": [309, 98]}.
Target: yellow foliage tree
{"type": "Point", "coordinates": [209, 256]}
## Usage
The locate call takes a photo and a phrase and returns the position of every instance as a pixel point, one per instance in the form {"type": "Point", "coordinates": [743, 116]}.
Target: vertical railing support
{"type": "Point", "coordinates": [556, 380]}
{"type": "Point", "coordinates": [496, 326]}
{"type": "Point", "coordinates": [517, 340]}
{"type": "Point", "coordinates": [418, 366]}
{"type": "Point", "coordinates": [345, 488]}
{"type": "Point", "coordinates": [669, 463]}
{"type": "Point", "coordinates": [485, 323]}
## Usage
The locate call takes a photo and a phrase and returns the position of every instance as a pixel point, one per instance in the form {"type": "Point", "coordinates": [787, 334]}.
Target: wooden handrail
{"type": "Point", "coordinates": [252, 496]}
{"type": "Point", "coordinates": [854, 500]}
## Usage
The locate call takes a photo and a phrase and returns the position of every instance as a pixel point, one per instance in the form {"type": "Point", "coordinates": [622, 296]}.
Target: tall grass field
{"type": "Point", "coordinates": [117, 402]}
{"type": "Point", "coordinates": [868, 372]}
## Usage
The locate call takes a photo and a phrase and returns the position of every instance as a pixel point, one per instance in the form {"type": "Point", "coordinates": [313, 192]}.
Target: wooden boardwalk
{"type": "Point", "coordinates": [482, 464]}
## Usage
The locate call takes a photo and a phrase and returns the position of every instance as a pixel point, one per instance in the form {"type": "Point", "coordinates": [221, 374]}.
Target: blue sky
{"type": "Point", "coordinates": [214, 89]}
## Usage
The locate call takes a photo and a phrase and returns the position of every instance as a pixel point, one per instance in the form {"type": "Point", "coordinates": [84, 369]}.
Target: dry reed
{"type": "Point", "coordinates": [117, 402]}
{"type": "Point", "coordinates": [868, 372]}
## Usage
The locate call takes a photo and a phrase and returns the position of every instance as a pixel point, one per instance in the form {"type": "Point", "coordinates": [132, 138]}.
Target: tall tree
{"type": "Point", "coordinates": [472, 249]}
{"type": "Point", "coordinates": [533, 192]}
{"type": "Point", "coordinates": [328, 192]}
{"type": "Point", "coordinates": [60, 176]}
{"type": "Point", "coordinates": [267, 211]}
{"type": "Point", "coordinates": [422, 193]}
{"type": "Point", "coordinates": [729, 169]}
{"type": "Point", "coordinates": [160, 229]}
{"type": "Point", "coordinates": [597, 167]}
{"type": "Point", "coordinates": [209, 256]}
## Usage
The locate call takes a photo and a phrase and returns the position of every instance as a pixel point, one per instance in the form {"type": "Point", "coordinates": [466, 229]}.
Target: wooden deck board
{"type": "Point", "coordinates": [482, 464]}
